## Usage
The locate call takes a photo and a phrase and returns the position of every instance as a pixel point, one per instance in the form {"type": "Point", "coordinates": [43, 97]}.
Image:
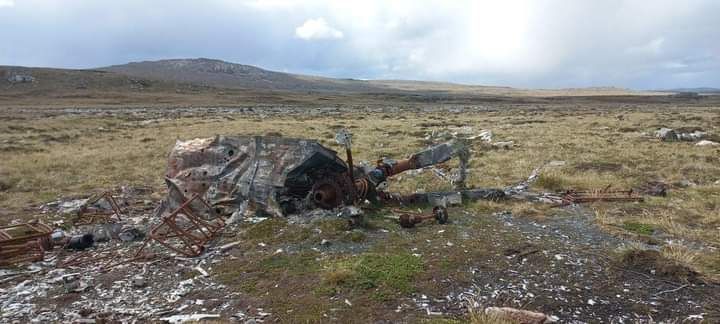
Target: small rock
{"type": "Point", "coordinates": [667, 135]}
{"type": "Point", "coordinates": [229, 246]}
{"type": "Point", "coordinates": [707, 143]}
{"type": "Point", "coordinates": [504, 145]}
{"type": "Point", "coordinates": [518, 315]}
{"type": "Point", "coordinates": [324, 242]}
{"type": "Point", "coordinates": [130, 233]}
{"type": "Point", "coordinates": [138, 281]}
{"type": "Point", "coordinates": [685, 183]}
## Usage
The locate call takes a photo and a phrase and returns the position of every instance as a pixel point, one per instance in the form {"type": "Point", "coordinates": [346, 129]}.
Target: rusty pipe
{"type": "Point", "coordinates": [402, 166]}
{"type": "Point", "coordinates": [409, 220]}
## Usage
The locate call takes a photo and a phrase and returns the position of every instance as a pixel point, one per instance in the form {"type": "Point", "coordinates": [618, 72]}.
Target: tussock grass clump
{"type": "Point", "coordinates": [551, 181]}
{"type": "Point", "coordinates": [673, 264]}
{"type": "Point", "coordinates": [639, 228]}
{"type": "Point", "coordinates": [387, 274]}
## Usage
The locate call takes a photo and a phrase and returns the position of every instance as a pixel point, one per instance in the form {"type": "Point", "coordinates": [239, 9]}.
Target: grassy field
{"type": "Point", "coordinates": [46, 157]}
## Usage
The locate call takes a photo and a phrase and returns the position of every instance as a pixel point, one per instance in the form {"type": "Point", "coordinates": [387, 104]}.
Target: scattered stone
{"type": "Point", "coordinates": [71, 207]}
{"type": "Point", "coordinates": [188, 318]}
{"type": "Point", "coordinates": [671, 135]}
{"type": "Point", "coordinates": [57, 237]}
{"type": "Point", "coordinates": [504, 145]}
{"type": "Point", "coordinates": [350, 211]}
{"type": "Point", "coordinates": [685, 183]}
{"type": "Point", "coordinates": [21, 78]}
{"type": "Point", "coordinates": [666, 134]}
{"type": "Point", "coordinates": [130, 233]}
{"type": "Point", "coordinates": [138, 281]}
{"type": "Point", "coordinates": [707, 143]}
{"type": "Point", "coordinates": [229, 246]}
{"type": "Point", "coordinates": [202, 271]}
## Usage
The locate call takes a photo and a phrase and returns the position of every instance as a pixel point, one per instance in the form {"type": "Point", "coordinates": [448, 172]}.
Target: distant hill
{"type": "Point", "coordinates": [701, 90]}
{"type": "Point", "coordinates": [204, 81]}
{"type": "Point", "coordinates": [221, 74]}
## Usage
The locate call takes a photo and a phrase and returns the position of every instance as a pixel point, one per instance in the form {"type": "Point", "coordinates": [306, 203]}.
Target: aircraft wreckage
{"type": "Point", "coordinates": [235, 175]}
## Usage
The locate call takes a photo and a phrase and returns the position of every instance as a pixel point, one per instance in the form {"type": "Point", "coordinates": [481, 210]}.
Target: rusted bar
{"type": "Point", "coordinates": [576, 197]}
{"type": "Point", "coordinates": [31, 250]}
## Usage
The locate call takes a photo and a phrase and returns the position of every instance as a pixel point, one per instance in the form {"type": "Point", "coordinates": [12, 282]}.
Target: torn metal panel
{"type": "Point", "coordinates": [282, 176]}
{"type": "Point", "coordinates": [265, 171]}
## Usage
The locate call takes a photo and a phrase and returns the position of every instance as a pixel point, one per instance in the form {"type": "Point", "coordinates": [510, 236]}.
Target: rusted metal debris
{"type": "Point", "coordinates": [24, 242]}
{"type": "Point", "coordinates": [282, 176]}
{"type": "Point", "coordinates": [184, 230]}
{"type": "Point", "coordinates": [90, 214]}
{"type": "Point", "coordinates": [577, 197]}
{"type": "Point", "coordinates": [409, 220]}
{"type": "Point", "coordinates": [106, 258]}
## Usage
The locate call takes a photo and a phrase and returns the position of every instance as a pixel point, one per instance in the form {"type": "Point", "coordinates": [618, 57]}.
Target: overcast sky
{"type": "Point", "coordinates": [543, 43]}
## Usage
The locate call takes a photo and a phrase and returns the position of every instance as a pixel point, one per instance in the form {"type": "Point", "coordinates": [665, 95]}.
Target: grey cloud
{"type": "Point", "coordinates": [638, 44]}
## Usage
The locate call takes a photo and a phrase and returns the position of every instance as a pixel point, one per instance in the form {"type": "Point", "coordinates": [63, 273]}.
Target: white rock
{"type": "Point", "coordinates": [188, 318]}
{"type": "Point", "coordinates": [707, 143]}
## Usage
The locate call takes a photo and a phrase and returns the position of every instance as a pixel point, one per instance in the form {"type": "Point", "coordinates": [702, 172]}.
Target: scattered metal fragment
{"type": "Point", "coordinates": [654, 188]}
{"type": "Point", "coordinates": [229, 246]}
{"type": "Point", "coordinates": [577, 197]}
{"type": "Point", "coordinates": [24, 242]}
{"type": "Point", "coordinates": [445, 199]}
{"type": "Point", "coordinates": [89, 213]}
{"type": "Point", "coordinates": [409, 220]}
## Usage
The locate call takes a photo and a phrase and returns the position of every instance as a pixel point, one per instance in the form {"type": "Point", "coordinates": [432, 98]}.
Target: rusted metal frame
{"type": "Point", "coordinates": [189, 238]}
{"type": "Point", "coordinates": [31, 250]}
{"type": "Point", "coordinates": [41, 231]}
{"type": "Point", "coordinates": [85, 216]}
{"type": "Point", "coordinates": [196, 222]}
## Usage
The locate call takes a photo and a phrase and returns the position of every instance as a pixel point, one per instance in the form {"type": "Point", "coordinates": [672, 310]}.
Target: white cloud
{"type": "Point", "coordinates": [317, 29]}
{"type": "Point", "coordinates": [7, 3]}
{"type": "Point", "coordinates": [651, 48]}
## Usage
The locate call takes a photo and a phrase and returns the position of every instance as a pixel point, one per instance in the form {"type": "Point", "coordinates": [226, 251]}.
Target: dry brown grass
{"type": "Point", "coordinates": [49, 157]}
